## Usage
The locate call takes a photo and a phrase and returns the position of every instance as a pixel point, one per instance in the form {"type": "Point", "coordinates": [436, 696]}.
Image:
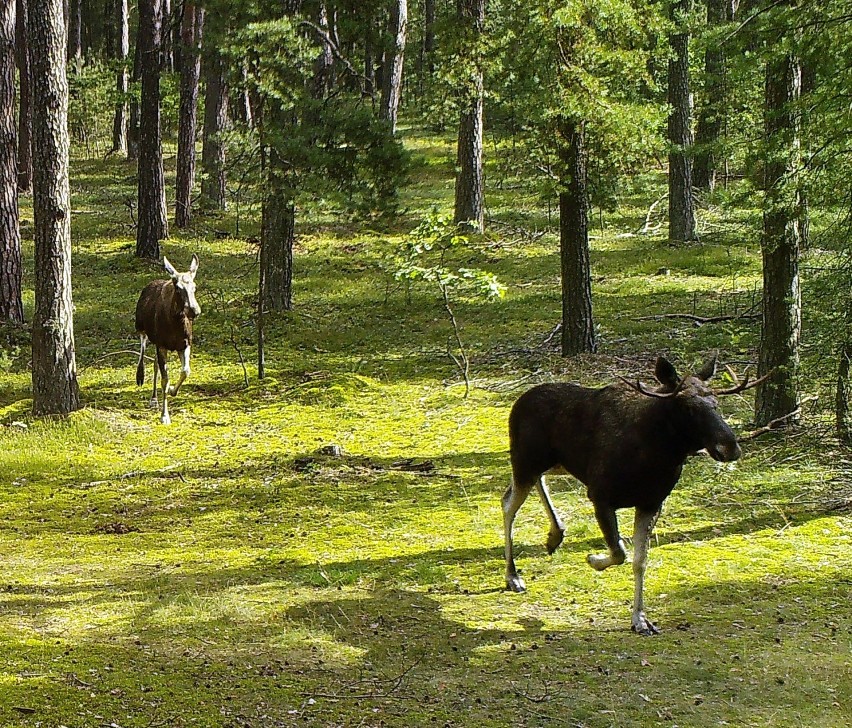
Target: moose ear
{"type": "Point", "coordinates": [193, 266]}
{"type": "Point", "coordinates": [170, 269]}
{"type": "Point", "coordinates": [708, 370]}
{"type": "Point", "coordinates": [666, 373]}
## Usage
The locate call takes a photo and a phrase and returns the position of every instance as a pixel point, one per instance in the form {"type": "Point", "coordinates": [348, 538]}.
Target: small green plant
{"type": "Point", "coordinates": [425, 256]}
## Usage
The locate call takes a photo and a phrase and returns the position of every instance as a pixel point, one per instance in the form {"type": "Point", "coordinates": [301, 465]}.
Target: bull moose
{"type": "Point", "coordinates": [627, 444]}
{"type": "Point", "coordinates": [164, 315]}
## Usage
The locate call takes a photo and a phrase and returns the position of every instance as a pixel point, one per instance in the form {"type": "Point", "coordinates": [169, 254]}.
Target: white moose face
{"type": "Point", "coordinates": [185, 286]}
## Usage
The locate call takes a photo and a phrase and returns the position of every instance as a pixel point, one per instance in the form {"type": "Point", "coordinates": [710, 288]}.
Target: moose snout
{"type": "Point", "coordinates": [192, 311]}
{"type": "Point", "coordinates": [725, 451]}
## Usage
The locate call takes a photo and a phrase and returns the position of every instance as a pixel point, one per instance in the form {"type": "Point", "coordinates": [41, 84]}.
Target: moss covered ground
{"type": "Point", "coordinates": [224, 571]}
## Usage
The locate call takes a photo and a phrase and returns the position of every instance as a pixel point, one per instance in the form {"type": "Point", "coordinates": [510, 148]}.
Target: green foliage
{"type": "Point", "coordinates": [330, 147]}
{"type": "Point", "coordinates": [91, 104]}
{"type": "Point", "coordinates": [591, 62]}
{"type": "Point", "coordinates": [427, 254]}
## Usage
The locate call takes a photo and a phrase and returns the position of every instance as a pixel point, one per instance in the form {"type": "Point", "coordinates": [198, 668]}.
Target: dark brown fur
{"type": "Point", "coordinates": [160, 316]}
{"type": "Point", "coordinates": [164, 315]}
{"type": "Point", "coordinates": [627, 447]}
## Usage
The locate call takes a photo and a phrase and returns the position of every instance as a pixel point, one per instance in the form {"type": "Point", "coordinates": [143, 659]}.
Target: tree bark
{"type": "Point", "coordinates": [578, 328]}
{"type": "Point", "coordinates": [470, 194]}
{"type": "Point", "coordinates": [25, 103]}
{"type": "Point", "coordinates": [276, 257]}
{"type": "Point", "coordinates": [133, 121]}
{"type": "Point", "coordinates": [213, 190]}
{"type": "Point", "coordinates": [713, 109]}
{"type": "Point", "coordinates": [369, 61]}
{"type": "Point", "coordinates": [392, 90]}
{"type": "Point", "coordinates": [782, 300]}
{"type": "Point", "coordinates": [75, 30]}
{"type": "Point", "coordinates": [11, 306]}
{"type": "Point", "coordinates": [152, 225]}
{"type": "Point", "coordinates": [122, 81]}
{"type": "Point", "coordinates": [55, 389]}
{"type": "Point", "coordinates": [427, 50]}
{"type": "Point", "coordinates": [192, 29]}
{"type": "Point", "coordinates": [244, 107]}
{"type": "Point", "coordinates": [681, 208]}
{"type": "Point", "coordinates": [841, 400]}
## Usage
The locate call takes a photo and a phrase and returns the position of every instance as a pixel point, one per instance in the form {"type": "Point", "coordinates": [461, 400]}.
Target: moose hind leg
{"type": "Point", "coordinates": [557, 527]}
{"type": "Point", "coordinates": [513, 499]}
{"type": "Point", "coordinates": [154, 403]}
{"type": "Point", "coordinates": [164, 373]}
{"type": "Point", "coordinates": [643, 524]}
{"type": "Point", "coordinates": [140, 367]}
{"type": "Point", "coordinates": [609, 527]}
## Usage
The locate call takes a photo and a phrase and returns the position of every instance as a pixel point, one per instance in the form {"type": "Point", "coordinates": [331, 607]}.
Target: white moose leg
{"type": "Point", "coordinates": [184, 371]}
{"type": "Point", "coordinates": [642, 526]}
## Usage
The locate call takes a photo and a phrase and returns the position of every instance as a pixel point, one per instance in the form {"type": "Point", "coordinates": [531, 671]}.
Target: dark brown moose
{"type": "Point", "coordinates": [164, 315]}
{"type": "Point", "coordinates": [627, 444]}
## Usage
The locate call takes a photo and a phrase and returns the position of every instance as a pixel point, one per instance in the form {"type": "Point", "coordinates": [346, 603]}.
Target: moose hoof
{"type": "Point", "coordinates": [644, 626]}
{"type": "Point", "coordinates": [154, 404]}
{"type": "Point", "coordinates": [515, 584]}
{"type": "Point", "coordinates": [599, 562]}
{"type": "Point", "coordinates": [172, 391]}
{"type": "Point", "coordinates": [166, 420]}
{"type": "Point", "coordinates": [554, 538]}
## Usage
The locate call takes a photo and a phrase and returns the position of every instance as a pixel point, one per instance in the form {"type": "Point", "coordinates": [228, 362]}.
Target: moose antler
{"type": "Point", "coordinates": [744, 385]}
{"type": "Point", "coordinates": [639, 387]}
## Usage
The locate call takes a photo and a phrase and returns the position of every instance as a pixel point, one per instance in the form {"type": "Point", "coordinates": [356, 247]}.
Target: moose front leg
{"type": "Point", "coordinates": [184, 371]}
{"type": "Point", "coordinates": [608, 523]}
{"type": "Point", "coordinates": [643, 524]}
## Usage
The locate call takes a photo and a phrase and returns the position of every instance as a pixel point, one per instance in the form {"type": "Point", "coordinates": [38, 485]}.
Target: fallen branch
{"type": "Point", "coordinates": [770, 426]}
{"type": "Point", "coordinates": [699, 320]}
{"type": "Point", "coordinates": [647, 227]}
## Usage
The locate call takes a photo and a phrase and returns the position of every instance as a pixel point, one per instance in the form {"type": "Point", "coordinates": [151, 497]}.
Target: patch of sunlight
{"type": "Point", "coordinates": [304, 644]}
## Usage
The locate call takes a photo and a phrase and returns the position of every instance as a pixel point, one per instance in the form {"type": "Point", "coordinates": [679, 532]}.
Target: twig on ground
{"type": "Point", "coordinates": [699, 320]}
{"type": "Point", "coordinates": [396, 683]}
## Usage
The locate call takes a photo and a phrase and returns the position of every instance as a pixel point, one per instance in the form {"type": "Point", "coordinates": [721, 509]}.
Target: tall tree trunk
{"type": "Point", "coordinates": [213, 190]}
{"type": "Point", "coordinates": [427, 49]}
{"type": "Point", "coordinates": [11, 307]}
{"type": "Point", "coordinates": [276, 259]}
{"type": "Point", "coordinates": [470, 202]}
{"type": "Point", "coordinates": [55, 389]}
{"type": "Point", "coordinates": [392, 73]}
{"type": "Point", "coordinates": [122, 82]}
{"type": "Point", "coordinates": [75, 30]}
{"type": "Point", "coordinates": [153, 225]}
{"type": "Point", "coordinates": [245, 113]}
{"type": "Point", "coordinates": [843, 422]}
{"type": "Point", "coordinates": [714, 105]}
{"type": "Point", "coordinates": [193, 24]}
{"type": "Point", "coordinates": [369, 61]}
{"type": "Point", "coordinates": [25, 103]}
{"type": "Point", "coordinates": [167, 32]}
{"type": "Point", "coordinates": [278, 225]}
{"type": "Point", "coordinates": [323, 78]}
{"type": "Point", "coordinates": [578, 327]}
{"type": "Point", "coordinates": [133, 121]}
{"type": "Point", "coordinates": [681, 208]}
{"type": "Point", "coordinates": [782, 301]}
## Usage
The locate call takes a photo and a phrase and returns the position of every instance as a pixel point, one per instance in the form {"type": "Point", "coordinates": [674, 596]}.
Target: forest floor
{"type": "Point", "coordinates": [224, 571]}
